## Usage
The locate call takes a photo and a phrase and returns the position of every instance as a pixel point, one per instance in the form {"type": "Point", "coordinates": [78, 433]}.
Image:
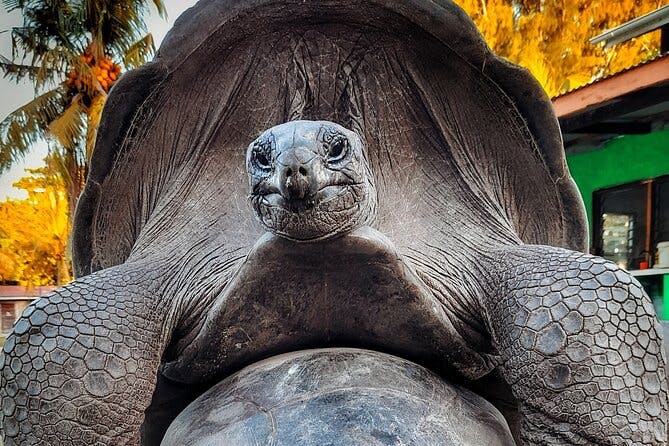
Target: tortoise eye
{"type": "Point", "coordinates": [262, 161]}
{"type": "Point", "coordinates": [338, 150]}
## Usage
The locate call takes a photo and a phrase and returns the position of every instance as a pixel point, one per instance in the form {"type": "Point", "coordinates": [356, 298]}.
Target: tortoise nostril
{"type": "Point", "coordinates": [302, 170]}
{"type": "Point", "coordinates": [289, 172]}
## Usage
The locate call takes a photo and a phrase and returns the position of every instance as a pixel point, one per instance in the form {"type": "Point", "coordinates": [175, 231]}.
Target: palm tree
{"type": "Point", "coordinates": [72, 51]}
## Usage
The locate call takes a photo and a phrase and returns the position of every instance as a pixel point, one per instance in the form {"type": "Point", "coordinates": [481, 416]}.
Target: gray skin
{"type": "Point", "coordinates": [473, 249]}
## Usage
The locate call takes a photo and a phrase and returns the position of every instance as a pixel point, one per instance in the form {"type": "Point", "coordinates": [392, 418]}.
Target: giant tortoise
{"type": "Point", "coordinates": [301, 190]}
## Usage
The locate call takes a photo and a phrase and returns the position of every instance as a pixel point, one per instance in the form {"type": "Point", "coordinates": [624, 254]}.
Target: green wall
{"type": "Point", "coordinates": [621, 160]}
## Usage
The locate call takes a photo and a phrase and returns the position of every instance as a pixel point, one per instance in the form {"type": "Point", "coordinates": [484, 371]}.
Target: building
{"type": "Point", "coordinates": [616, 137]}
{"type": "Point", "coordinates": [13, 300]}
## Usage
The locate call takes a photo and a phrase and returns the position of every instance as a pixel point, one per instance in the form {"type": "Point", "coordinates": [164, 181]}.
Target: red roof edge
{"type": "Point", "coordinates": [23, 292]}
{"type": "Point", "coordinates": [619, 84]}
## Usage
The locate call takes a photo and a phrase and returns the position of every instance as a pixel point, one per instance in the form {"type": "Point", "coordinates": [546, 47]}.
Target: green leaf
{"type": "Point", "coordinates": [28, 124]}
{"type": "Point", "coordinates": [139, 53]}
{"type": "Point", "coordinates": [11, 5]}
{"type": "Point", "coordinates": [160, 7]}
{"type": "Point", "coordinates": [16, 71]}
{"type": "Point", "coordinates": [55, 63]}
{"type": "Point", "coordinates": [69, 127]}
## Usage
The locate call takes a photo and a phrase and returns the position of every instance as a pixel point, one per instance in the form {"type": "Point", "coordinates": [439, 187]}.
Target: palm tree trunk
{"type": "Point", "coordinates": [62, 270]}
{"type": "Point", "coordinates": [75, 185]}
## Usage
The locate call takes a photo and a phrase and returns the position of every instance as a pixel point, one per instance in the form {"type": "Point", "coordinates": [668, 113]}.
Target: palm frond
{"type": "Point", "coordinates": [27, 42]}
{"type": "Point", "coordinates": [46, 23]}
{"type": "Point", "coordinates": [68, 127]}
{"type": "Point", "coordinates": [139, 52]}
{"type": "Point", "coordinates": [16, 71]}
{"type": "Point", "coordinates": [114, 24]}
{"type": "Point", "coordinates": [160, 7]}
{"type": "Point", "coordinates": [119, 23]}
{"type": "Point", "coordinates": [28, 124]}
{"type": "Point", "coordinates": [54, 65]}
{"type": "Point", "coordinates": [11, 5]}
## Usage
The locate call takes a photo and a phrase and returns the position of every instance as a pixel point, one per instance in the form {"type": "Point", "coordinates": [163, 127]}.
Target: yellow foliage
{"type": "Point", "coordinates": [550, 37]}
{"type": "Point", "coordinates": [34, 232]}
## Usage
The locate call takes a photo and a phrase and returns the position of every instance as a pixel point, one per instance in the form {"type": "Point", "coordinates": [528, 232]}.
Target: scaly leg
{"type": "Point", "coordinates": [580, 346]}
{"type": "Point", "coordinates": [81, 364]}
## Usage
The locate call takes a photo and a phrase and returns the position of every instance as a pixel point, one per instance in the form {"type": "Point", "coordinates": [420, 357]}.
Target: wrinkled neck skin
{"type": "Point", "coordinates": [354, 290]}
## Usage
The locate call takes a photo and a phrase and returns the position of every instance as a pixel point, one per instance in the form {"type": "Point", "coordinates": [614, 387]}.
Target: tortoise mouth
{"type": "Point", "coordinates": [331, 211]}
{"type": "Point", "coordinates": [323, 197]}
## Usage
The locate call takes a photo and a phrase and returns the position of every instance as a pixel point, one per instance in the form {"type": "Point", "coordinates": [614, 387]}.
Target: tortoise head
{"type": "Point", "coordinates": [310, 180]}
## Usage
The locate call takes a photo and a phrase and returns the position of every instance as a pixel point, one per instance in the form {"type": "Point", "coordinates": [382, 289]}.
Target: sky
{"type": "Point", "coordinates": [13, 96]}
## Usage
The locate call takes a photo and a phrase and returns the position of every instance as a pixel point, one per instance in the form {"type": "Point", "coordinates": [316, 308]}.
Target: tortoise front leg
{"type": "Point", "coordinates": [80, 366]}
{"type": "Point", "coordinates": [580, 346]}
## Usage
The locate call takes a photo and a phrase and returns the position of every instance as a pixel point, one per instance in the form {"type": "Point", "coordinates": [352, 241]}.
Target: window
{"type": "Point", "coordinates": [630, 220]}
{"type": "Point", "coordinates": [661, 210]}
{"type": "Point", "coordinates": [8, 316]}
